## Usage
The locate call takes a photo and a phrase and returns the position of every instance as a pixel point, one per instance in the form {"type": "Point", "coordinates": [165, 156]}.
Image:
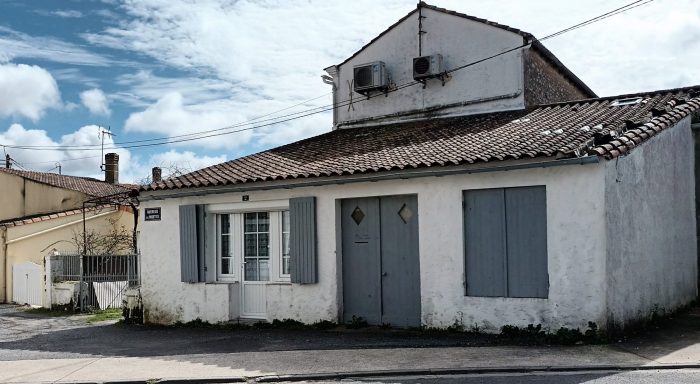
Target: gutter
{"type": "Point", "coordinates": [58, 227]}
{"type": "Point", "coordinates": [410, 174]}
{"type": "Point", "coordinates": [4, 265]}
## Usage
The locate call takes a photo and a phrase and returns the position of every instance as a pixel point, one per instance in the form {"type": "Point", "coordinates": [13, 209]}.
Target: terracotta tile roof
{"type": "Point", "coordinates": [581, 128]}
{"type": "Point", "coordinates": [16, 222]}
{"type": "Point", "coordinates": [527, 37]}
{"type": "Point", "coordinates": [86, 185]}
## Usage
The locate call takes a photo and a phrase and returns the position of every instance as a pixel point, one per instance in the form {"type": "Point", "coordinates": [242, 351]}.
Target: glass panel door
{"type": "Point", "coordinates": [256, 250]}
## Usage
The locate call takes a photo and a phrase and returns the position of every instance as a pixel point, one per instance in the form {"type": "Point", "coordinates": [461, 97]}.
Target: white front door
{"type": "Point", "coordinates": [255, 264]}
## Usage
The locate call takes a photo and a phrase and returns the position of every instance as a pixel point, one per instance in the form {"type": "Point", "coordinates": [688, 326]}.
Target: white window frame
{"type": "Point", "coordinates": [236, 217]}
{"type": "Point", "coordinates": [218, 235]}
{"type": "Point", "coordinates": [281, 276]}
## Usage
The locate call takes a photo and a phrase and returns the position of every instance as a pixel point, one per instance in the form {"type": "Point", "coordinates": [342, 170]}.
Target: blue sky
{"type": "Point", "coordinates": [162, 68]}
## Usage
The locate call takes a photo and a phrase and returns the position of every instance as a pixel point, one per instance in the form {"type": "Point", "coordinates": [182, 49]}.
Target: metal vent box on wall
{"type": "Point", "coordinates": [369, 77]}
{"type": "Point", "coordinates": [427, 66]}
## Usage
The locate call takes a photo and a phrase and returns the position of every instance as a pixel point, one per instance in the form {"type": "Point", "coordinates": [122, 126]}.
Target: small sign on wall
{"type": "Point", "coordinates": [152, 214]}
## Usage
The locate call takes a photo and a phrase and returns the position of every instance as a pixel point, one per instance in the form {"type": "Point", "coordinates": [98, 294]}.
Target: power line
{"type": "Point", "coordinates": [15, 162]}
{"type": "Point", "coordinates": [193, 135]}
{"type": "Point", "coordinates": [320, 109]}
{"type": "Point", "coordinates": [61, 160]}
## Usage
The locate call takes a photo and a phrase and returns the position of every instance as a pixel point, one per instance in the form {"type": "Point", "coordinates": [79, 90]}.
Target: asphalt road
{"type": "Point", "coordinates": [681, 376]}
{"type": "Point", "coordinates": [26, 336]}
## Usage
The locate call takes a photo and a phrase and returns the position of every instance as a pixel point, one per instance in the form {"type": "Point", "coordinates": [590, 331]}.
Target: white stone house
{"type": "Point", "coordinates": [505, 192]}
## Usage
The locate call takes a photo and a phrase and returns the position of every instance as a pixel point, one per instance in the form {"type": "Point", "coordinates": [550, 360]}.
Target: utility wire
{"type": "Point", "coordinates": [62, 160]}
{"type": "Point", "coordinates": [320, 109]}
{"type": "Point", "coordinates": [188, 135]}
{"type": "Point", "coordinates": [13, 161]}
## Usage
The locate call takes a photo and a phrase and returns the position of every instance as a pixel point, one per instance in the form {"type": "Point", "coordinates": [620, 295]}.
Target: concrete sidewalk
{"type": "Point", "coordinates": [40, 349]}
{"type": "Point", "coordinates": [329, 364]}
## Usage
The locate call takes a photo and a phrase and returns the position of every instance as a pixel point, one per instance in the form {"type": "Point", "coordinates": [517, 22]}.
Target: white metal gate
{"type": "Point", "coordinates": [26, 283]}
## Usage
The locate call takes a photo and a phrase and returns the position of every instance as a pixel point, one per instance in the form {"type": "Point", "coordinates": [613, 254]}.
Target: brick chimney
{"type": "Point", "coordinates": [112, 168]}
{"type": "Point", "coordinates": [156, 174]}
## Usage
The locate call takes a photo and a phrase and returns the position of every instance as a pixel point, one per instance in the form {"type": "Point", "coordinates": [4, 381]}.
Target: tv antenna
{"type": "Point", "coordinates": [102, 134]}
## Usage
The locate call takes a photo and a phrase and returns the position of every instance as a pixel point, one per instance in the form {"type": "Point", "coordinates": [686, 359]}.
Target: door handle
{"type": "Point", "coordinates": [384, 274]}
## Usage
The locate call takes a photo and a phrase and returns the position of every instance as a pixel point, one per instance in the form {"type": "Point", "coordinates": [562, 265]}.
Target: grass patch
{"type": "Point", "coordinates": [536, 335]}
{"type": "Point", "coordinates": [107, 314]}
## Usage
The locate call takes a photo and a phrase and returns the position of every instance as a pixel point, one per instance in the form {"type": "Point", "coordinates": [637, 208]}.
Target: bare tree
{"type": "Point", "coordinates": [118, 240]}
{"type": "Point", "coordinates": [169, 170]}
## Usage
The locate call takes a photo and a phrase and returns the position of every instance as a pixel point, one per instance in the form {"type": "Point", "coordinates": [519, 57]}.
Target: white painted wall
{"type": "Point", "coordinates": [460, 41]}
{"type": "Point", "coordinates": [575, 243]}
{"type": "Point", "coordinates": [650, 204]}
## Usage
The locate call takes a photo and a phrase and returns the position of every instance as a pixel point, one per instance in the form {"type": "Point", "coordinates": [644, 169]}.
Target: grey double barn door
{"type": "Point", "coordinates": [381, 268]}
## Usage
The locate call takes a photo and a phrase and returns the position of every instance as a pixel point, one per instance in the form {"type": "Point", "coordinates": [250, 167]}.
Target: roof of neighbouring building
{"type": "Point", "coordinates": [16, 222]}
{"type": "Point", "coordinates": [527, 38]}
{"type": "Point", "coordinates": [86, 185]}
{"type": "Point", "coordinates": [591, 127]}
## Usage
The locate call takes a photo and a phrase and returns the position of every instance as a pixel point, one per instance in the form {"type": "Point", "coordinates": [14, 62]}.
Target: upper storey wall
{"type": "Point", "coordinates": [494, 85]}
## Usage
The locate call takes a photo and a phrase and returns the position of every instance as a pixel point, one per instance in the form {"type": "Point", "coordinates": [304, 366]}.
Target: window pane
{"type": "Point", "coordinates": [226, 266]}
{"type": "Point", "coordinates": [263, 270]}
{"type": "Point", "coordinates": [285, 265]}
{"type": "Point", "coordinates": [225, 224]}
{"type": "Point", "coordinates": [285, 253]}
{"type": "Point", "coordinates": [264, 245]}
{"type": "Point", "coordinates": [251, 269]}
{"type": "Point", "coordinates": [250, 241]}
{"type": "Point", "coordinates": [250, 222]}
{"type": "Point", "coordinates": [263, 221]}
{"type": "Point", "coordinates": [225, 246]}
{"type": "Point", "coordinates": [285, 244]}
{"type": "Point", "coordinates": [285, 221]}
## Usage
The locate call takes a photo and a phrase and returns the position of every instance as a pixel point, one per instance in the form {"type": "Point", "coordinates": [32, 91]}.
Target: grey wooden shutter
{"type": "Point", "coordinates": [526, 233]}
{"type": "Point", "coordinates": [485, 243]}
{"type": "Point", "coordinates": [192, 243]}
{"type": "Point", "coordinates": [302, 240]}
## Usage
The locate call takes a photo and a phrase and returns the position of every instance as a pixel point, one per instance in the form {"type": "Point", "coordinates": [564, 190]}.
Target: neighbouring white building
{"type": "Point", "coordinates": [499, 192]}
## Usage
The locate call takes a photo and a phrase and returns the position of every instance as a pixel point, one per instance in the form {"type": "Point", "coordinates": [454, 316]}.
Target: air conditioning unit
{"type": "Point", "coordinates": [370, 77]}
{"type": "Point", "coordinates": [425, 67]}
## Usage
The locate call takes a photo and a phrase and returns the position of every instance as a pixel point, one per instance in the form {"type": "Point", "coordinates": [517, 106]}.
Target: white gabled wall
{"type": "Point", "coordinates": [460, 41]}
{"type": "Point", "coordinates": [652, 249]}
{"type": "Point", "coordinates": [576, 247]}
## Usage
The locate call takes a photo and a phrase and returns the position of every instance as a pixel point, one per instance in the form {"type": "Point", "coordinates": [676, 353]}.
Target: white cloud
{"type": "Point", "coordinates": [68, 13]}
{"type": "Point", "coordinates": [74, 75]}
{"type": "Point", "coordinates": [132, 167]}
{"type": "Point", "coordinates": [75, 162]}
{"type": "Point", "coordinates": [183, 162]}
{"type": "Point", "coordinates": [95, 101]}
{"type": "Point", "coordinates": [144, 88]}
{"type": "Point", "coordinates": [27, 90]}
{"type": "Point", "coordinates": [170, 117]}
{"type": "Point", "coordinates": [15, 44]}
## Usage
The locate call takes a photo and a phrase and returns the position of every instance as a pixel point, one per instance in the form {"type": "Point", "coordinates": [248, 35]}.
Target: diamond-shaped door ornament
{"type": "Point", "coordinates": [405, 213]}
{"type": "Point", "coordinates": [357, 215]}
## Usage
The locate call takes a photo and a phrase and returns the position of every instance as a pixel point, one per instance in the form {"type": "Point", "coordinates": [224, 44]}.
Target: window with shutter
{"type": "Point", "coordinates": [192, 237]}
{"type": "Point", "coordinates": [302, 240]}
{"type": "Point", "coordinates": [505, 234]}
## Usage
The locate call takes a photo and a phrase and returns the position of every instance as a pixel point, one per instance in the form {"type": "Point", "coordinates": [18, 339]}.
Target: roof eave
{"type": "Point", "coordinates": [481, 167]}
